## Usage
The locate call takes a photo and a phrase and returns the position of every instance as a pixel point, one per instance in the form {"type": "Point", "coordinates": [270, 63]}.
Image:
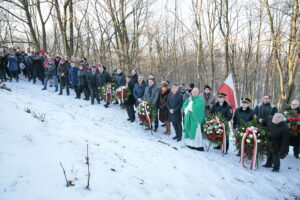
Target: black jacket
{"type": "Point", "coordinates": [225, 110]}
{"type": "Point", "coordinates": [81, 78]}
{"type": "Point", "coordinates": [280, 136]}
{"type": "Point", "coordinates": [92, 79]}
{"type": "Point", "coordinates": [103, 78]}
{"type": "Point", "coordinates": [130, 100]}
{"type": "Point", "coordinates": [134, 79]}
{"type": "Point", "coordinates": [175, 102]}
{"type": "Point", "coordinates": [120, 79]}
{"type": "Point", "coordinates": [264, 111]}
{"type": "Point", "coordinates": [245, 115]}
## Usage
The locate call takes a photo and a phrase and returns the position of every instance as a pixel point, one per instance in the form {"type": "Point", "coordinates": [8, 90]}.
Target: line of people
{"type": "Point", "coordinates": [183, 108]}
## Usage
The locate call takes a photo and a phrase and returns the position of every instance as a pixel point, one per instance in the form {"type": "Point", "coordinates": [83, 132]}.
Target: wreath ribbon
{"type": "Point", "coordinates": [254, 149]}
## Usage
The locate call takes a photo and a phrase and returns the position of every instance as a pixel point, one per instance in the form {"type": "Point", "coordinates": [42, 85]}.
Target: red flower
{"type": "Point", "coordinates": [291, 119]}
{"type": "Point", "coordinates": [294, 128]}
{"type": "Point", "coordinates": [297, 114]}
{"type": "Point", "coordinates": [297, 119]}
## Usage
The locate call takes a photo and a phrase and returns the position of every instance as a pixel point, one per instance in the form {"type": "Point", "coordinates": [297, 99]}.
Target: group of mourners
{"type": "Point", "coordinates": [186, 109]}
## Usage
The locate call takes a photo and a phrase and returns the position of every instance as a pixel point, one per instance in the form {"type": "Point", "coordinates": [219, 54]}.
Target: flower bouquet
{"type": "Point", "coordinates": [108, 92]}
{"type": "Point", "coordinates": [146, 112]}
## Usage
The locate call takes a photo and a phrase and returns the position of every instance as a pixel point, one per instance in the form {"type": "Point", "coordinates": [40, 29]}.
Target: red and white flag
{"type": "Point", "coordinates": [228, 88]}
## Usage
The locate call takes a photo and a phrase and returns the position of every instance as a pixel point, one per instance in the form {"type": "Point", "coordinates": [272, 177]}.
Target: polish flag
{"type": "Point", "coordinates": [228, 88]}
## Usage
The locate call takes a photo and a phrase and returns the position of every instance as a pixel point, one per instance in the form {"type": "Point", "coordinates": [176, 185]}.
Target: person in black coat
{"type": "Point", "coordinates": [174, 104]}
{"type": "Point", "coordinates": [93, 86]}
{"type": "Point", "coordinates": [225, 110]}
{"type": "Point", "coordinates": [82, 85]}
{"type": "Point", "coordinates": [3, 66]}
{"type": "Point", "coordinates": [38, 69]}
{"type": "Point", "coordinates": [279, 135]}
{"type": "Point", "coordinates": [139, 90]}
{"type": "Point", "coordinates": [63, 73]}
{"type": "Point", "coordinates": [295, 140]}
{"type": "Point", "coordinates": [134, 76]}
{"type": "Point", "coordinates": [244, 113]}
{"type": "Point", "coordinates": [130, 101]}
{"type": "Point", "coordinates": [223, 107]}
{"type": "Point", "coordinates": [103, 77]}
{"type": "Point", "coordinates": [264, 110]}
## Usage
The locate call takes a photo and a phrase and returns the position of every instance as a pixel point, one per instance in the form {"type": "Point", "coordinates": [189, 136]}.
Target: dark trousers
{"type": "Point", "coordinates": [2, 74]}
{"type": "Point", "coordinates": [130, 112]}
{"type": "Point", "coordinates": [178, 129]}
{"type": "Point", "coordinates": [296, 150]}
{"type": "Point", "coordinates": [273, 159]}
{"type": "Point", "coordinates": [94, 94]}
{"type": "Point", "coordinates": [80, 89]}
{"type": "Point", "coordinates": [14, 74]}
{"type": "Point", "coordinates": [64, 83]}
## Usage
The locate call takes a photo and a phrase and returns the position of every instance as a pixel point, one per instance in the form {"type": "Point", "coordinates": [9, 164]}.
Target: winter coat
{"type": "Point", "coordinates": [134, 79]}
{"type": "Point", "coordinates": [139, 90]}
{"type": "Point", "coordinates": [63, 69]}
{"type": "Point", "coordinates": [120, 79]}
{"type": "Point", "coordinates": [130, 100]}
{"type": "Point", "coordinates": [209, 101]}
{"type": "Point", "coordinates": [162, 105]}
{"type": "Point", "coordinates": [92, 79]}
{"type": "Point", "coordinates": [264, 111]}
{"type": "Point", "coordinates": [13, 63]}
{"type": "Point", "coordinates": [103, 78]}
{"type": "Point", "coordinates": [81, 78]}
{"type": "Point", "coordinates": [152, 94]}
{"type": "Point", "coordinates": [295, 141]}
{"type": "Point", "coordinates": [73, 76]}
{"type": "Point", "coordinates": [225, 110]}
{"type": "Point", "coordinates": [50, 70]}
{"type": "Point", "coordinates": [174, 102]}
{"type": "Point", "coordinates": [280, 135]}
{"type": "Point", "coordinates": [245, 115]}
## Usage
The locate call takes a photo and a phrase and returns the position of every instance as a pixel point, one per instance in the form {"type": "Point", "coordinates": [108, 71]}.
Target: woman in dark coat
{"type": "Point", "coordinates": [162, 106]}
{"type": "Point", "coordinates": [280, 136]}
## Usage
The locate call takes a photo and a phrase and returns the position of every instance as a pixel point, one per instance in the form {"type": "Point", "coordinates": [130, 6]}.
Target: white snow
{"type": "Point", "coordinates": [30, 152]}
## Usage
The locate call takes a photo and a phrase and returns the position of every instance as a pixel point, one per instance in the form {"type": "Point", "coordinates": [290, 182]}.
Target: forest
{"type": "Point", "coordinates": [190, 41]}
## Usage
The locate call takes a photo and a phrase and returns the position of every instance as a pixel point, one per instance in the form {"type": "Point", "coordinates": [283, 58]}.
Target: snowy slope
{"type": "Point", "coordinates": [126, 161]}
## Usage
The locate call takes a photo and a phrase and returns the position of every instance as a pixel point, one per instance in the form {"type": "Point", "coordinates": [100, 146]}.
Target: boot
{"type": "Point", "coordinates": [168, 128]}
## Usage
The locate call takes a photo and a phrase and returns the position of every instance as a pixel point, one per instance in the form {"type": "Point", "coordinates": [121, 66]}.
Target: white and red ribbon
{"type": "Point", "coordinates": [224, 149]}
{"type": "Point", "coordinates": [253, 131]}
{"type": "Point", "coordinates": [144, 104]}
{"type": "Point", "coordinates": [108, 93]}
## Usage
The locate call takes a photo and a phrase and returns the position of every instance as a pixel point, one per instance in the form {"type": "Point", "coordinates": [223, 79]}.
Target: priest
{"type": "Point", "coordinates": [194, 118]}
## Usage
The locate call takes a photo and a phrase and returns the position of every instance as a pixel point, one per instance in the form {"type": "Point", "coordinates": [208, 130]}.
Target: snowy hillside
{"type": "Point", "coordinates": [126, 162]}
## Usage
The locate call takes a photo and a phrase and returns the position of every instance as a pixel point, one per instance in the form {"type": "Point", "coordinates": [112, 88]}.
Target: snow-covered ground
{"type": "Point", "coordinates": [126, 162]}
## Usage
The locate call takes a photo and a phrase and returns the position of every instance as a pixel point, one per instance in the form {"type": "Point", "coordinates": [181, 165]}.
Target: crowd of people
{"type": "Point", "coordinates": [186, 109]}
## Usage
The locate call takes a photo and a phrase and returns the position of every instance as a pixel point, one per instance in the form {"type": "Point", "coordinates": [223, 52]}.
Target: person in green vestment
{"type": "Point", "coordinates": [194, 118]}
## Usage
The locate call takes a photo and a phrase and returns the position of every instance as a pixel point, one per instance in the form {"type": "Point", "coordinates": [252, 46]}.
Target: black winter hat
{"type": "Point", "coordinates": [207, 86]}
{"type": "Point", "coordinates": [192, 85]}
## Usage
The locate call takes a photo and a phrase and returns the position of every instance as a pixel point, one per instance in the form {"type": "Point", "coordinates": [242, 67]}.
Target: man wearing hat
{"type": "Point", "coordinates": [209, 100]}
{"type": "Point", "coordinates": [225, 110]}
{"type": "Point", "coordinates": [244, 113]}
